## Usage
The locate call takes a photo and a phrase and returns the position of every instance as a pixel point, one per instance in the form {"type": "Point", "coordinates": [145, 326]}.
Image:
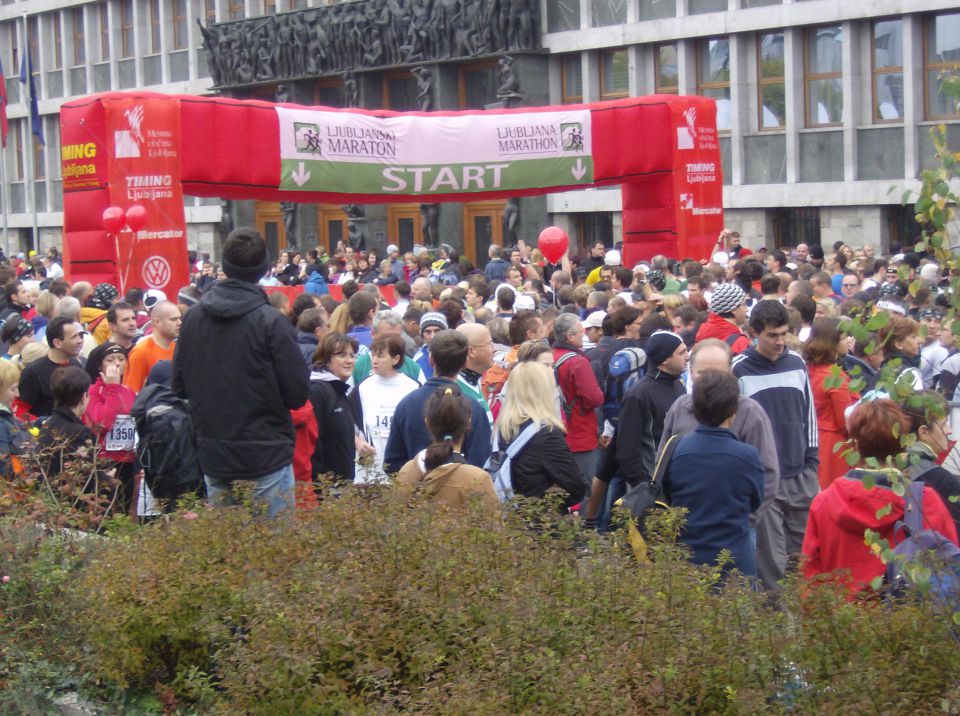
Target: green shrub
{"type": "Point", "coordinates": [365, 606]}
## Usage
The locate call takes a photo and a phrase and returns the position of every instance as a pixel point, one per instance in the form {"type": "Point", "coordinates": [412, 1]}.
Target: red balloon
{"type": "Point", "coordinates": [136, 217]}
{"type": "Point", "coordinates": [553, 243]}
{"type": "Point", "coordinates": [113, 219]}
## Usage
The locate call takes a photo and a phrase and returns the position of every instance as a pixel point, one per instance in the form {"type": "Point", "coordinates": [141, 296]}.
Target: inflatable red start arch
{"type": "Point", "coordinates": [143, 148]}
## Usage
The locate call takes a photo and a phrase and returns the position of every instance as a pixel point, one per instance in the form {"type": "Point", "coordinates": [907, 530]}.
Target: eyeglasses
{"type": "Point", "coordinates": [850, 285]}
{"type": "Point", "coordinates": [345, 356]}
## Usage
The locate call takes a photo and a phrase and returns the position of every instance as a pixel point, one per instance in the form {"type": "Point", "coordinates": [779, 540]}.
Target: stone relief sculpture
{"type": "Point", "coordinates": [424, 88]}
{"type": "Point", "coordinates": [342, 37]}
{"type": "Point", "coordinates": [430, 224]}
{"type": "Point", "coordinates": [289, 209]}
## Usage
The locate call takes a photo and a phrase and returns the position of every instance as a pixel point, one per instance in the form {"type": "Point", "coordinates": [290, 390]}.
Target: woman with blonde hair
{"type": "Point", "coordinates": [340, 319]}
{"type": "Point", "coordinates": [545, 460]}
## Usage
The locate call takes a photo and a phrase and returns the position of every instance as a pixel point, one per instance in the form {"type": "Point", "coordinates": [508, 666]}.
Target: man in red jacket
{"type": "Point", "coordinates": [581, 393]}
{"type": "Point", "coordinates": [727, 311]}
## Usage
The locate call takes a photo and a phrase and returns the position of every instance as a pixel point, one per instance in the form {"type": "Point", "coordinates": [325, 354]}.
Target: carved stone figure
{"type": "Point", "coordinates": [430, 223]}
{"type": "Point", "coordinates": [289, 209]}
{"type": "Point", "coordinates": [511, 217]}
{"type": "Point", "coordinates": [424, 88]}
{"type": "Point", "coordinates": [283, 94]}
{"type": "Point", "coordinates": [351, 91]}
{"type": "Point", "coordinates": [226, 218]}
{"type": "Point", "coordinates": [348, 36]}
{"type": "Point", "coordinates": [509, 89]}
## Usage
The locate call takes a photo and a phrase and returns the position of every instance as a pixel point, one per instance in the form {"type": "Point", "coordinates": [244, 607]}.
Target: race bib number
{"type": "Point", "coordinates": [122, 435]}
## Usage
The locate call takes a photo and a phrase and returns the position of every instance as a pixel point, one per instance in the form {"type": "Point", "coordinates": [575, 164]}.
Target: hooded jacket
{"type": "Point", "coordinates": [238, 363]}
{"type": "Point", "coordinates": [452, 484]}
{"type": "Point", "coordinates": [717, 327]}
{"type": "Point", "coordinates": [945, 483]}
{"type": "Point", "coordinates": [336, 451]}
{"type": "Point", "coordinates": [841, 514]}
{"type": "Point", "coordinates": [583, 395]}
{"type": "Point", "coordinates": [316, 283]}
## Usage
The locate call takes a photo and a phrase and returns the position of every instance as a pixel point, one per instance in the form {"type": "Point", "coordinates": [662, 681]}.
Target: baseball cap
{"type": "Point", "coordinates": [612, 258]}
{"type": "Point", "coordinates": [594, 320]}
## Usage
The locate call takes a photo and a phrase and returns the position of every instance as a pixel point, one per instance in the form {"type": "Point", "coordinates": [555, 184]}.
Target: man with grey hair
{"type": "Point", "coordinates": [386, 323]}
{"type": "Point", "coordinates": [580, 393]}
{"type": "Point", "coordinates": [496, 269]}
{"type": "Point", "coordinates": [751, 426]}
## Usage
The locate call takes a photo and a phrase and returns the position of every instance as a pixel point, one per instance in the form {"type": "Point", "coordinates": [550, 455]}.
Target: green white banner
{"type": "Point", "coordinates": [346, 152]}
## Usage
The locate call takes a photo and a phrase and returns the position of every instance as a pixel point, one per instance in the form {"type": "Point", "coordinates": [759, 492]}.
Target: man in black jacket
{"type": "Point", "coordinates": [238, 364]}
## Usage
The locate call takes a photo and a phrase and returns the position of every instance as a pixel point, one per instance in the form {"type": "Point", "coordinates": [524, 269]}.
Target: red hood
{"type": "Point", "coordinates": [853, 508]}
{"type": "Point", "coordinates": [716, 327]}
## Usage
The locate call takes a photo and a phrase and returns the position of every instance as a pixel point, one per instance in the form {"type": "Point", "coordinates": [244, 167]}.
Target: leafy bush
{"type": "Point", "coordinates": [363, 605]}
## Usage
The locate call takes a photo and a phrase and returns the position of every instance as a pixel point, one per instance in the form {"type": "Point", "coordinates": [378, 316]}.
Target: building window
{"type": "Point", "coordinates": [608, 12]}
{"type": "Point", "coordinates": [328, 93]}
{"type": "Point", "coordinates": [478, 85]}
{"type": "Point", "coordinates": [563, 15]}
{"type": "Point", "coordinates": [792, 226]}
{"type": "Point", "coordinates": [236, 11]}
{"type": "Point", "coordinates": [79, 37]}
{"type": "Point", "coordinates": [771, 97]}
{"type": "Point", "coordinates": [33, 30]}
{"type": "Point", "coordinates": [614, 74]}
{"type": "Point", "coordinates": [103, 15]}
{"type": "Point", "coordinates": [56, 38]}
{"type": "Point", "coordinates": [210, 11]}
{"type": "Point", "coordinates": [14, 44]}
{"type": "Point", "coordinates": [180, 34]}
{"type": "Point", "coordinates": [39, 162]}
{"type": "Point", "coordinates": [888, 71]}
{"type": "Point", "coordinates": [823, 64]}
{"type": "Point", "coordinates": [16, 129]}
{"type": "Point", "coordinates": [571, 79]}
{"type": "Point", "coordinates": [400, 91]}
{"type": "Point", "coordinates": [667, 79]}
{"type": "Point", "coordinates": [155, 27]}
{"type": "Point", "coordinates": [269, 7]}
{"type": "Point", "coordinates": [941, 56]}
{"type": "Point", "coordinates": [713, 76]}
{"type": "Point", "coordinates": [126, 28]}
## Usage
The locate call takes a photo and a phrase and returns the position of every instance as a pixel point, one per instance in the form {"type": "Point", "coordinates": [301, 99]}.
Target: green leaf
{"type": "Point", "coordinates": [852, 458]}
{"type": "Point", "coordinates": [878, 320]}
{"type": "Point", "coordinates": [885, 510]}
{"type": "Point", "coordinates": [876, 583]}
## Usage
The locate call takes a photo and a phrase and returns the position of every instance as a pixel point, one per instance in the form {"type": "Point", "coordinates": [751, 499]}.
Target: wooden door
{"type": "Point", "coordinates": [404, 226]}
{"type": "Point", "coordinates": [269, 220]}
{"type": "Point", "coordinates": [482, 227]}
{"type": "Point", "coordinates": [333, 225]}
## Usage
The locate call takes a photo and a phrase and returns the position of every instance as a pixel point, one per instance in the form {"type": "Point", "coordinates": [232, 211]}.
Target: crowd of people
{"type": "Point", "coordinates": [521, 378]}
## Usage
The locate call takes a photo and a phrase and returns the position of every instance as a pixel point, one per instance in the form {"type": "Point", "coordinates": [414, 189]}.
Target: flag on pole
{"type": "Point", "coordinates": [26, 77]}
{"type": "Point", "coordinates": [4, 126]}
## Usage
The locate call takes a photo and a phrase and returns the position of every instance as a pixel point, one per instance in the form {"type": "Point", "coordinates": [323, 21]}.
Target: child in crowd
{"type": "Point", "coordinates": [14, 438]}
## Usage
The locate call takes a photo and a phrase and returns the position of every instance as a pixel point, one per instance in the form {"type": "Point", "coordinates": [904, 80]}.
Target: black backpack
{"type": "Point", "coordinates": [167, 446]}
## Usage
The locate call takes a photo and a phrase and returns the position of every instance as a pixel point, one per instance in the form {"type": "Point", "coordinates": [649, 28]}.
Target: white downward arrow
{"type": "Point", "coordinates": [578, 170]}
{"type": "Point", "coordinates": [301, 176]}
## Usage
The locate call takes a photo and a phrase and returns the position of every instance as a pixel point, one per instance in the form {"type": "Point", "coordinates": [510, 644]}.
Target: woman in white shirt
{"type": "Point", "coordinates": [376, 398]}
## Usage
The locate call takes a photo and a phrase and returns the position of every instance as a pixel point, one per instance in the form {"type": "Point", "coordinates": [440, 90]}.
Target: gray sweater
{"type": "Point", "coordinates": [751, 426]}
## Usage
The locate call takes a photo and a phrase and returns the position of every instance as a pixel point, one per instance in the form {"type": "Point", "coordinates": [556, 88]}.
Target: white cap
{"type": "Point", "coordinates": [612, 258]}
{"type": "Point", "coordinates": [594, 320]}
{"type": "Point", "coordinates": [152, 297]}
{"type": "Point", "coordinates": [524, 303]}
{"type": "Point", "coordinates": [722, 258]}
{"type": "Point", "coordinates": [929, 272]}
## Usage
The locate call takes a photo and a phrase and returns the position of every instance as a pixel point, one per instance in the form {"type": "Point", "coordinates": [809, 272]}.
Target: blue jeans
{"type": "Point", "coordinates": [615, 490]}
{"type": "Point", "coordinates": [275, 490]}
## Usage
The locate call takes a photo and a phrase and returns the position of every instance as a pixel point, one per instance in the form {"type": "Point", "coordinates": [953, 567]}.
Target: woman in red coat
{"type": "Point", "coordinates": [841, 514]}
{"type": "Point", "coordinates": [821, 351]}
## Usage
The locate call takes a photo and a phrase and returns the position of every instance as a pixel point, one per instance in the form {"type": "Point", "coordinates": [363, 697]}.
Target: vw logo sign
{"type": "Point", "coordinates": [156, 272]}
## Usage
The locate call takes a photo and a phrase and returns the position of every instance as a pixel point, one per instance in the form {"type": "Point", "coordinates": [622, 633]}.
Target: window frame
{"type": "Point", "coordinates": [875, 71]}
{"type": "Point", "coordinates": [704, 42]}
{"type": "Point", "coordinates": [657, 87]}
{"type": "Point", "coordinates": [809, 77]}
{"type": "Point", "coordinates": [57, 39]}
{"type": "Point", "coordinates": [610, 51]}
{"type": "Point", "coordinates": [769, 82]}
{"type": "Point", "coordinates": [79, 38]}
{"type": "Point", "coordinates": [463, 71]}
{"type": "Point", "coordinates": [236, 10]}
{"type": "Point", "coordinates": [128, 42]}
{"type": "Point", "coordinates": [928, 66]}
{"type": "Point", "coordinates": [399, 74]}
{"type": "Point", "coordinates": [180, 35]}
{"type": "Point", "coordinates": [564, 97]}
{"type": "Point", "coordinates": [103, 15]}
{"type": "Point", "coordinates": [153, 27]}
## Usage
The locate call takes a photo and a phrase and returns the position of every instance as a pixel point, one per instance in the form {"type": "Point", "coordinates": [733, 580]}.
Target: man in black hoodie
{"type": "Point", "coordinates": [238, 363]}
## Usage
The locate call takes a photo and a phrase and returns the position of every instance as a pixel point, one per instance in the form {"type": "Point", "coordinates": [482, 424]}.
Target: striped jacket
{"type": "Point", "coordinates": [782, 388]}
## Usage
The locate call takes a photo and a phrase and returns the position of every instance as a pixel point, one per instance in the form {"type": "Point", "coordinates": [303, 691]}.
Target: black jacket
{"type": "Point", "coordinates": [543, 462]}
{"type": "Point", "coordinates": [641, 423]}
{"type": "Point", "coordinates": [336, 450]}
{"type": "Point", "coordinates": [238, 363]}
{"type": "Point", "coordinates": [61, 435]}
{"type": "Point", "coordinates": [946, 484]}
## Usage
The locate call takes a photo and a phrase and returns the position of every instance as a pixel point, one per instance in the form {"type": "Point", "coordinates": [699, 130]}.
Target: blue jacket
{"type": "Point", "coordinates": [409, 435]}
{"type": "Point", "coordinates": [782, 387]}
{"type": "Point", "coordinates": [720, 481]}
{"type": "Point", "coordinates": [308, 346]}
{"type": "Point", "coordinates": [422, 359]}
{"type": "Point", "coordinates": [496, 270]}
{"type": "Point", "coordinates": [316, 284]}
